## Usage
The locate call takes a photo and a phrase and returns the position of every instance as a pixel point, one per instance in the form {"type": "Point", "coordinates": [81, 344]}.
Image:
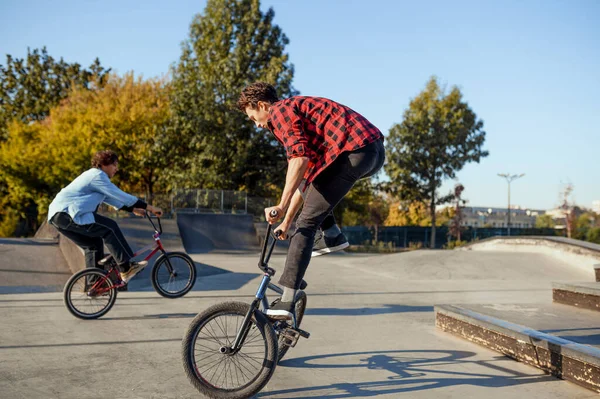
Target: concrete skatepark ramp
{"type": "Point", "coordinates": [370, 315]}
{"type": "Point", "coordinates": [202, 233]}
{"type": "Point", "coordinates": [31, 265]}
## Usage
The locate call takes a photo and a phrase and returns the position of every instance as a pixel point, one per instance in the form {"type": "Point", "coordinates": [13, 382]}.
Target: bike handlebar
{"type": "Point", "coordinates": [159, 230]}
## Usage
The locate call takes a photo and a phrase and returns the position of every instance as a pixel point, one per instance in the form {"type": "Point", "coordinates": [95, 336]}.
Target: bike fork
{"type": "Point", "coordinates": [245, 327]}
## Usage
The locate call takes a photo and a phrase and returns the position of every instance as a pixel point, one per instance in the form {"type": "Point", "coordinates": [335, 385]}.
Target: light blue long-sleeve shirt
{"type": "Point", "coordinates": [81, 197]}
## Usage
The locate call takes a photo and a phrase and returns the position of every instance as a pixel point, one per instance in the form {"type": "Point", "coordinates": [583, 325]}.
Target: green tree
{"type": "Point", "coordinates": [544, 222]}
{"type": "Point", "coordinates": [437, 137]}
{"type": "Point", "coordinates": [231, 44]}
{"type": "Point", "coordinates": [583, 224]}
{"type": "Point", "coordinates": [593, 235]}
{"type": "Point", "coordinates": [363, 206]}
{"type": "Point", "coordinates": [29, 87]}
{"type": "Point", "coordinates": [127, 115]}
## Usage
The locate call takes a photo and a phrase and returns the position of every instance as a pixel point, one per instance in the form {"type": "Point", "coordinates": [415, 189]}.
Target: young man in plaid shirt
{"type": "Point", "coordinates": [329, 147]}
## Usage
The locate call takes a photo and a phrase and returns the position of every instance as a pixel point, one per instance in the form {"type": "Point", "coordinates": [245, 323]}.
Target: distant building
{"type": "Point", "coordinates": [596, 206]}
{"type": "Point", "coordinates": [498, 217]}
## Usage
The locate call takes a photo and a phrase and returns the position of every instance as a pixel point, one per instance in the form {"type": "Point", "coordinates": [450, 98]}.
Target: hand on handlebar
{"type": "Point", "coordinates": [155, 210]}
{"type": "Point", "coordinates": [273, 214]}
{"type": "Point", "coordinates": [282, 230]}
{"type": "Point", "coordinates": [139, 212]}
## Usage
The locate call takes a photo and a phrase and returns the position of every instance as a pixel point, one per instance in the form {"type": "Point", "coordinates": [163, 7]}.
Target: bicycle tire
{"type": "Point", "coordinates": [161, 262]}
{"type": "Point", "coordinates": [300, 308]}
{"type": "Point", "coordinates": [75, 279]}
{"type": "Point", "coordinates": [204, 383]}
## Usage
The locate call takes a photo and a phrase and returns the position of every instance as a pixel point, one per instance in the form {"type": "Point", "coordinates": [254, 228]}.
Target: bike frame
{"type": "Point", "coordinates": [260, 297]}
{"type": "Point", "coordinates": [154, 248]}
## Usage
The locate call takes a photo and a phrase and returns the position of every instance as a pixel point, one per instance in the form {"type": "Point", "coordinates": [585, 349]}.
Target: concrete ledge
{"type": "Point", "coordinates": [562, 358]}
{"type": "Point", "coordinates": [581, 295]}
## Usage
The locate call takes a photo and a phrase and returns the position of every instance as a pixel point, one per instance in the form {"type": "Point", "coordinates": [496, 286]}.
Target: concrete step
{"type": "Point", "coordinates": [582, 295]}
{"type": "Point", "coordinates": [561, 340]}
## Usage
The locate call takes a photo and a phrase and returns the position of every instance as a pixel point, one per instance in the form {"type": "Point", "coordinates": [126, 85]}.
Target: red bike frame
{"type": "Point", "coordinates": [98, 289]}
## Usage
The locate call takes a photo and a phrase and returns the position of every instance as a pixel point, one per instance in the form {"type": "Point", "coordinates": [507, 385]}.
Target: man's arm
{"type": "Point", "coordinates": [295, 173]}
{"type": "Point", "coordinates": [114, 196]}
{"type": "Point", "coordinates": [295, 206]}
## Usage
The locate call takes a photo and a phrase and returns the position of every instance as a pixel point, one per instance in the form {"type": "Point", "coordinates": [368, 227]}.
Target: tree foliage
{"type": "Point", "coordinates": [403, 213]}
{"type": "Point", "coordinates": [127, 115]}
{"type": "Point", "coordinates": [30, 86]}
{"type": "Point", "coordinates": [364, 205]}
{"type": "Point", "coordinates": [438, 136]}
{"type": "Point", "coordinates": [230, 45]}
{"type": "Point", "coordinates": [544, 222]}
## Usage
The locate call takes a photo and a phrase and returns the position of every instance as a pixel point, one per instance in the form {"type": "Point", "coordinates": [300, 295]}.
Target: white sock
{"type": "Point", "coordinates": [333, 231]}
{"type": "Point", "coordinates": [288, 295]}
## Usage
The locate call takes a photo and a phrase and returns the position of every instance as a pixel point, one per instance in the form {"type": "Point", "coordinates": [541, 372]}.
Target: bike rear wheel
{"type": "Point", "coordinates": [173, 274]}
{"type": "Point", "coordinates": [233, 375]}
{"type": "Point", "coordinates": [89, 294]}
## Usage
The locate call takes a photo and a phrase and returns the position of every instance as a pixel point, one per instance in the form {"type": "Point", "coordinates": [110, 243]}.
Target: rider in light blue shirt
{"type": "Point", "coordinates": [82, 196]}
{"type": "Point", "coordinates": [73, 213]}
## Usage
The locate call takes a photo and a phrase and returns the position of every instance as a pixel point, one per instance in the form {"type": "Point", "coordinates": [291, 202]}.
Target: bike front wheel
{"type": "Point", "coordinates": [216, 371]}
{"type": "Point", "coordinates": [173, 274]}
{"type": "Point", "coordinates": [89, 294]}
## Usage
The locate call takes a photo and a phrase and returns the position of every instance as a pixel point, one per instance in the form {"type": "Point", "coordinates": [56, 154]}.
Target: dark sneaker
{"type": "Point", "coordinates": [134, 268]}
{"type": "Point", "coordinates": [281, 311]}
{"type": "Point", "coordinates": [325, 245]}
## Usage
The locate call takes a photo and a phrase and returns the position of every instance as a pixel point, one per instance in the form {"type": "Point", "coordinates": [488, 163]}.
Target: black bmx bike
{"type": "Point", "coordinates": [231, 349]}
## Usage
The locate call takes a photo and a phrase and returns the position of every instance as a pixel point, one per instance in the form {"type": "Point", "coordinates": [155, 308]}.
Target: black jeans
{"type": "Point", "coordinates": [92, 237]}
{"type": "Point", "coordinates": [325, 192]}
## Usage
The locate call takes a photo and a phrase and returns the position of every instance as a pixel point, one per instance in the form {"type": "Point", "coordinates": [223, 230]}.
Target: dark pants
{"type": "Point", "coordinates": [329, 220]}
{"type": "Point", "coordinates": [325, 192]}
{"type": "Point", "coordinates": [92, 237]}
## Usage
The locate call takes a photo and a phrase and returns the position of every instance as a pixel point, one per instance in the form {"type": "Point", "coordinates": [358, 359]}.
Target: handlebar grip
{"type": "Point", "coordinates": [274, 213]}
{"type": "Point", "coordinates": [278, 233]}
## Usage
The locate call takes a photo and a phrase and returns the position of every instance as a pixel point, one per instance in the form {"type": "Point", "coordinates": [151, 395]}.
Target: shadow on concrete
{"type": "Point", "coordinates": [409, 371]}
{"type": "Point", "coordinates": [230, 282]}
{"type": "Point", "coordinates": [33, 271]}
{"type": "Point", "coordinates": [154, 316]}
{"type": "Point", "coordinates": [28, 241]}
{"type": "Point", "coordinates": [367, 311]}
{"type": "Point", "coordinates": [29, 289]}
{"type": "Point", "coordinates": [250, 276]}
{"type": "Point", "coordinates": [147, 341]}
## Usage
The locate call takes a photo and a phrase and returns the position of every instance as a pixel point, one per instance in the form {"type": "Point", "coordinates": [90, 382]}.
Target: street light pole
{"type": "Point", "coordinates": [509, 178]}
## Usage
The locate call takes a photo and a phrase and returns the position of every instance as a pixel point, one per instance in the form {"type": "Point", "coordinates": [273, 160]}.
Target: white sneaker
{"type": "Point", "coordinates": [325, 245]}
{"type": "Point", "coordinates": [134, 269]}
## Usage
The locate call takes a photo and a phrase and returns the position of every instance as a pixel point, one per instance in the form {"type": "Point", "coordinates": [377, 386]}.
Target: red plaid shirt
{"type": "Point", "coordinates": [319, 129]}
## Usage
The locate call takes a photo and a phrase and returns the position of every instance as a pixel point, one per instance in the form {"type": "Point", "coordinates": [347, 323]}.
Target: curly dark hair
{"type": "Point", "coordinates": [258, 91]}
{"type": "Point", "coordinates": [103, 158]}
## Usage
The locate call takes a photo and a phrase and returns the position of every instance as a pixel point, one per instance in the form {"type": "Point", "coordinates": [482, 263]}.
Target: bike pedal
{"type": "Point", "coordinates": [290, 337]}
{"type": "Point", "coordinates": [303, 334]}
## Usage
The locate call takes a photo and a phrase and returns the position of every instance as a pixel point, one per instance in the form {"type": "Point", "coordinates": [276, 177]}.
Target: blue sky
{"type": "Point", "coordinates": [529, 69]}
